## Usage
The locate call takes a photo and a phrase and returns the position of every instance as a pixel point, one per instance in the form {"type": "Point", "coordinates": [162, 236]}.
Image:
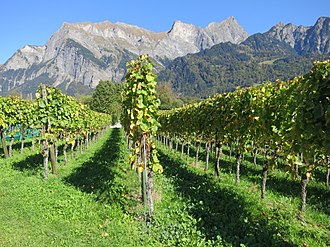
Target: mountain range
{"type": "Point", "coordinates": [285, 51]}
{"type": "Point", "coordinates": [196, 61]}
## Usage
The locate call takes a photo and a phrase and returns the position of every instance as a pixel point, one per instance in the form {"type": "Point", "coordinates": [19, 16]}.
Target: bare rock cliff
{"type": "Point", "coordinates": [82, 54]}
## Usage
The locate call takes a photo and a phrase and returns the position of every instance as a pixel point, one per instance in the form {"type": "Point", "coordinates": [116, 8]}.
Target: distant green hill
{"type": "Point", "coordinates": [225, 66]}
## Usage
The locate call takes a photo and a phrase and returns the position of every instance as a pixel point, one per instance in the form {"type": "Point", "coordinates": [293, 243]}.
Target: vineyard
{"type": "Point", "coordinates": [245, 168]}
{"type": "Point", "coordinates": [58, 118]}
{"type": "Point", "coordinates": [288, 120]}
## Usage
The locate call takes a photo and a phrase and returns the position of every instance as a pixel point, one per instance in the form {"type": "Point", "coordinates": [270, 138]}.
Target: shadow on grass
{"type": "Point", "coordinates": [27, 144]}
{"type": "Point", "coordinates": [317, 196]}
{"type": "Point", "coordinates": [101, 174]}
{"type": "Point", "coordinates": [222, 211]}
{"type": "Point", "coordinates": [16, 146]}
{"type": "Point", "coordinates": [228, 164]}
{"type": "Point", "coordinates": [31, 164]}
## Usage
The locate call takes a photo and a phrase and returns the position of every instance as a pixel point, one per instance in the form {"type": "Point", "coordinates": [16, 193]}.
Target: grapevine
{"type": "Point", "coordinates": [290, 119]}
{"type": "Point", "coordinates": [140, 121]}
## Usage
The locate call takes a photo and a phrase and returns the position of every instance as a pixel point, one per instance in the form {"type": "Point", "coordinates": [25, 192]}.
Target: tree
{"type": "Point", "coordinates": [168, 99]}
{"type": "Point", "coordinates": [83, 99]}
{"type": "Point", "coordinates": [107, 99]}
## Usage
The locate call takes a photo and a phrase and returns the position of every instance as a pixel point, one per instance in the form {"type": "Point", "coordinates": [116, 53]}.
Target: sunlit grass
{"type": "Point", "coordinates": [236, 215]}
{"type": "Point", "coordinates": [57, 212]}
{"type": "Point", "coordinates": [95, 201]}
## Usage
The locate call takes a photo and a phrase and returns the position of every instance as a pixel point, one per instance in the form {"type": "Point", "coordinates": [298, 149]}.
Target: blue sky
{"type": "Point", "coordinates": [33, 22]}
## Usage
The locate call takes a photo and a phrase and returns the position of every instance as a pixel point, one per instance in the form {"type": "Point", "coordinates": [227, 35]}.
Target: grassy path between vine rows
{"type": "Point", "coordinates": [85, 205]}
{"type": "Point", "coordinates": [95, 201]}
{"type": "Point", "coordinates": [226, 214]}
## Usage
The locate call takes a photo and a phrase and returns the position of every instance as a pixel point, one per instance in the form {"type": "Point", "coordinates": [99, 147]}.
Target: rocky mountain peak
{"type": "Point", "coordinates": [323, 21]}
{"type": "Point", "coordinates": [84, 53]}
{"type": "Point", "coordinates": [230, 21]}
{"type": "Point", "coordinates": [183, 30]}
{"type": "Point", "coordinates": [284, 32]}
{"type": "Point", "coordinates": [193, 38]}
{"type": "Point", "coordinates": [279, 25]}
{"type": "Point", "coordinates": [282, 27]}
{"type": "Point", "coordinates": [317, 37]}
{"type": "Point", "coordinates": [304, 39]}
{"type": "Point", "coordinates": [25, 57]}
{"type": "Point", "coordinates": [227, 30]}
{"type": "Point", "coordinates": [179, 26]}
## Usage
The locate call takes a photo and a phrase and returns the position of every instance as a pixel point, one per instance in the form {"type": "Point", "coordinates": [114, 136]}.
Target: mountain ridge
{"type": "Point", "coordinates": [78, 55]}
{"type": "Point", "coordinates": [281, 53]}
{"type": "Point", "coordinates": [86, 52]}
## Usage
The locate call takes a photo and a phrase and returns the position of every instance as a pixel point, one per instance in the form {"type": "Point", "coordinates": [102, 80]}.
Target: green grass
{"type": "Point", "coordinates": [85, 205]}
{"type": "Point", "coordinates": [95, 201]}
{"type": "Point", "coordinates": [221, 213]}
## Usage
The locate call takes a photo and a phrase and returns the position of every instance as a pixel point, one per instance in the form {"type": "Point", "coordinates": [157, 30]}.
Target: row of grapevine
{"type": "Point", "coordinates": [13, 112]}
{"type": "Point", "coordinates": [56, 116]}
{"type": "Point", "coordinates": [139, 120]}
{"type": "Point", "coordinates": [288, 119]}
